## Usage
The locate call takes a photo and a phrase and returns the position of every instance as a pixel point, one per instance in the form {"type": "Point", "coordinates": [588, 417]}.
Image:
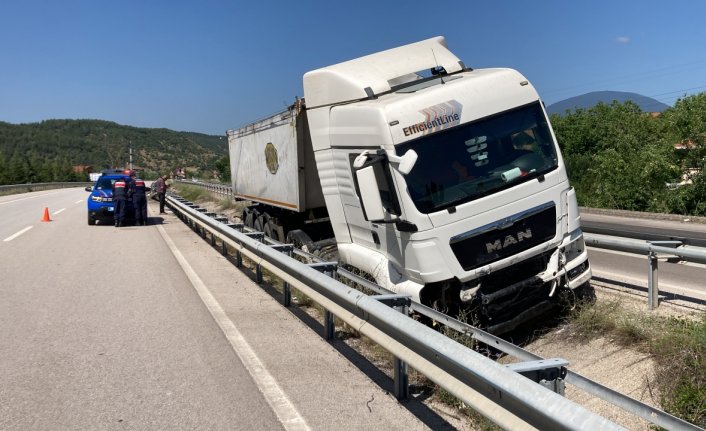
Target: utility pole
{"type": "Point", "coordinates": [130, 155]}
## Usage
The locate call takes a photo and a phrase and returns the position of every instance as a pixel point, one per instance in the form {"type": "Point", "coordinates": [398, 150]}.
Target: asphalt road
{"type": "Point", "coordinates": [98, 331]}
{"type": "Point", "coordinates": [149, 328]}
{"type": "Point", "coordinates": [682, 278]}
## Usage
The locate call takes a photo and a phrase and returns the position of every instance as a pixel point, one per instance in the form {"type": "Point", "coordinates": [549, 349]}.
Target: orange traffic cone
{"type": "Point", "coordinates": [46, 215]}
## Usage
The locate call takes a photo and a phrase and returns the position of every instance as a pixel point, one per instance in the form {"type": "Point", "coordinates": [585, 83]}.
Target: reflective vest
{"type": "Point", "coordinates": [119, 191]}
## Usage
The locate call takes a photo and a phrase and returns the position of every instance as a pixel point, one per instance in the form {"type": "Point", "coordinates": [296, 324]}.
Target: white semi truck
{"type": "Point", "coordinates": [442, 182]}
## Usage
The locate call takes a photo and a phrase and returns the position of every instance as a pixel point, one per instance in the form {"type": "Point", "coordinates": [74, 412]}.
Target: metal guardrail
{"type": "Point", "coordinates": [630, 405]}
{"type": "Point", "coordinates": [24, 188]}
{"type": "Point", "coordinates": [219, 189]}
{"type": "Point", "coordinates": [495, 391]}
{"type": "Point", "coordinates": [651, 249]}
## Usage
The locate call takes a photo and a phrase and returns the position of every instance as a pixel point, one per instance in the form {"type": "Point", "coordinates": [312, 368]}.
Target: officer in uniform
{"type": "Point", "coordinates": [119, 201]}
{"type": "Point", "coordinates": [139, 199]}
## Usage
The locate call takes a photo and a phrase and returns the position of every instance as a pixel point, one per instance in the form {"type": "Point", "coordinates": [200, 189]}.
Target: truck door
{"type": "Point", "coordinates": [382, 237]}
{"type": "Point", "coordinates": [362, 232]}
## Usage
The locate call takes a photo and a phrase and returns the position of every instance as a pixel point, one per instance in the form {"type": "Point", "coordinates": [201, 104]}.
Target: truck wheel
{"type": "Point", "coordinates": [300, 240]}
{"type": "Point", "coordinates": [244, 216]}
{"type": "Point", "coordinates": [271, 231]}
{"type": "Point", "coordinates": [251, 216]}
{"type": "Point", "coordinates": [259, 224]}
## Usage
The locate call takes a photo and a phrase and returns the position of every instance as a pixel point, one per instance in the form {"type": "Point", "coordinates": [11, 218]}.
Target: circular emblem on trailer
{"type": "Point", "coordinates": [271, 158]}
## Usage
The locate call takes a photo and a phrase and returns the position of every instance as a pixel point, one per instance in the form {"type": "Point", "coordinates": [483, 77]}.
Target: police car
{"type": "Point", "coordinates": [100, 202]}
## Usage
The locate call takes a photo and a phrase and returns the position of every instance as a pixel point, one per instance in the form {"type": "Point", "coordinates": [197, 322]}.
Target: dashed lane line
{"type": "Point", "coordinates": [11, 237]}
{"type": "Point", "coordinates": [59, 211]}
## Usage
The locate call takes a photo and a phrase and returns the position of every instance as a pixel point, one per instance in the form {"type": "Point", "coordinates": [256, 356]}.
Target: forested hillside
{"type": "Point", "coordinates": [47, 151]}
{"type": "Point", "coordinates": [620, 157]}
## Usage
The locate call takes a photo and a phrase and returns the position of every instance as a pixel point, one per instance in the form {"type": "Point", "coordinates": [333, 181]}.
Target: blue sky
{"type": "Point", "coordinates": [208, 66]}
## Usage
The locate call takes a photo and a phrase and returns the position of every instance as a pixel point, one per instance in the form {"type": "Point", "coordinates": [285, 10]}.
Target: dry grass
{"type": "Point", "coordinates": [677, 344]}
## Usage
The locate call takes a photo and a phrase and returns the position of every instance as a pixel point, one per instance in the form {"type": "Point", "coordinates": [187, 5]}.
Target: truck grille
{"type": "Point", "coordinates": [506, 237]}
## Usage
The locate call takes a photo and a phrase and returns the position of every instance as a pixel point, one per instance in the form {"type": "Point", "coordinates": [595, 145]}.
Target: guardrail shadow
{"type": "Point", "coordinates": [373, 371]}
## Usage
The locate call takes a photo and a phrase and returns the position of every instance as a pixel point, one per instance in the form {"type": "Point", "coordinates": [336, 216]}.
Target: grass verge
{"type": "Point", "coordinates": [677, 344]}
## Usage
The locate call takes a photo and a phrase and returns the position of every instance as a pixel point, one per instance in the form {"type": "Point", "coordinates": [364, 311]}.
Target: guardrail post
{"type": "Point", "coordinates": [286, 288]}
{"type": "Point", "coordinates": [330, 318]}
{"type": "Point", "coordinates": [401, 370]}
{"type": "Point", "coordinates": [329, 325]}
{"type": "Point", "coordinates": [652, 281]}
{"type": "Point", "coordinates": [258, 274]}
{"type": "Point", "coordinates": [400, 303]}
{"type": "Point", "coordinates": [328, 268]}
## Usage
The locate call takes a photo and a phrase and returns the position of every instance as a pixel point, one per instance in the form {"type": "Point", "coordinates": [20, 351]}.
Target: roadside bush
{"type": "Point", "coordinates": [681, 356]}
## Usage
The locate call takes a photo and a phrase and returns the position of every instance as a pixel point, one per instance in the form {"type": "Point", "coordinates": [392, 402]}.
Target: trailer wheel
{"type": "Point", "coordinates": [244, 217]}
{"type": "Point", "coordinates": [273, 230]}
{"type": "Point", "coordinates": [259, 224]}
{"type": "Point", "coordinates": [251, 216]}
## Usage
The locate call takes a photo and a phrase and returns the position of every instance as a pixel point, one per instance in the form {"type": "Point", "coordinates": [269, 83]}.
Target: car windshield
{"type": "Point", "coordinates": [105, 183]}
{"type": "Point", "coordinates": [476, 159]}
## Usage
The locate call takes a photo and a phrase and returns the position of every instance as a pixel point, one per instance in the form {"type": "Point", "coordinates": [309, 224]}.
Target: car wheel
{"type": "Point", "coordinates": [91, 220]}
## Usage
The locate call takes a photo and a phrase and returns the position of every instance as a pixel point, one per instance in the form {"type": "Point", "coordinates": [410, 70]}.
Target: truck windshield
{"type": "Point", "coordinates": [480, 158]}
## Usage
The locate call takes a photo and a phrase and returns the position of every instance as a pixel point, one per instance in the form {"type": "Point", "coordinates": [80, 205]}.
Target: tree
{"type": "Point", "coordinates": [223, 168]}
{"type": "Point", "coordinates": [617, 156]}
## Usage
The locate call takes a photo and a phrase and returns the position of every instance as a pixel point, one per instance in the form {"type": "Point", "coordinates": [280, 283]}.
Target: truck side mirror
{"type": "Point", "coordinates": [407, 162]}
{"type": "Point", "coordinates": [370, 194]}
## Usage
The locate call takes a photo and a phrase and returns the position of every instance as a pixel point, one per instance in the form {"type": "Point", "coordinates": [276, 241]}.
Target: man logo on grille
{"type": "Point", "coordinates": [509, 240]}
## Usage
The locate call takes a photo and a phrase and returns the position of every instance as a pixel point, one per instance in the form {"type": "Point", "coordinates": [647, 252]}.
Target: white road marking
{"type": "Point", "coordinates": [60, 211]}
{"type": "Point", "coordinates": [287, 414]}
{"type": "Point", "coordinates": [11, 237]}
{"type": "Point", "coordinates": [79, 201]}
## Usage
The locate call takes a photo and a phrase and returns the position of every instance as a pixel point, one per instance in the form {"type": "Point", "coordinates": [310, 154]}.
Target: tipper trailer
{"type": "Point", "coordinates": [441, 182]}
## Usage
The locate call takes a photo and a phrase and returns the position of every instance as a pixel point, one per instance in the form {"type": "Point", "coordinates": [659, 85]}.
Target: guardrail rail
{"type": "Point", "coordinates": [504, 394]}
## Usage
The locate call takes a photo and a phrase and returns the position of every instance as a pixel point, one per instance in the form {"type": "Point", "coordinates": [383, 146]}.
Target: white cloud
{"type": "Point", "coordinates": [622, 39]}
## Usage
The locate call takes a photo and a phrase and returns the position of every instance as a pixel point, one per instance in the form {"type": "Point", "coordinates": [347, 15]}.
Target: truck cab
{"type": "Point", "coordinates": [446, 183]}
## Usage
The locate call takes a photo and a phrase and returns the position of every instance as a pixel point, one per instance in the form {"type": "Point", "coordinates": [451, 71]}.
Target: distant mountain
{"type": "Point", "coordinates": [590, 100]}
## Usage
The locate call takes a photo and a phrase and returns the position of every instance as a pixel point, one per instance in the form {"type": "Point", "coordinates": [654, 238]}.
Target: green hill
{"type": "Point", "coordinates": [45, 151]}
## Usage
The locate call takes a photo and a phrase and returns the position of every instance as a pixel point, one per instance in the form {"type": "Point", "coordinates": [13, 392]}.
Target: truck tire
{"type": "Point", "coordinates": [251, 216]}
{"type": "Point", "coordinates": [301, 240]}
{"type": "Point", "coordinates": [259, 224]}
{"type": "Point", "coordinates": [272, 230]}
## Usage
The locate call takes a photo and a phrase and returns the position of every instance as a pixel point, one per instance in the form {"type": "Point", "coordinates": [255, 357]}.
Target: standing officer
{"type": "Point", "coordinates": [119, 201]}
{"type": "Point", "coordinates": [139, 199]}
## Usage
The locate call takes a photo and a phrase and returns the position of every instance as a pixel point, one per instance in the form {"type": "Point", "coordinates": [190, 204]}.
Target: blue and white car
{"type": "Point", "coordinates": [100, 202]}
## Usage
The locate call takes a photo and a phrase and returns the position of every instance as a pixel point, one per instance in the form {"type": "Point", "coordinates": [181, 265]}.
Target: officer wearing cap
{"type": "Point", "coordinates": [139, 199]}
{"type": "Point", "coordinates": [119, 201]}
